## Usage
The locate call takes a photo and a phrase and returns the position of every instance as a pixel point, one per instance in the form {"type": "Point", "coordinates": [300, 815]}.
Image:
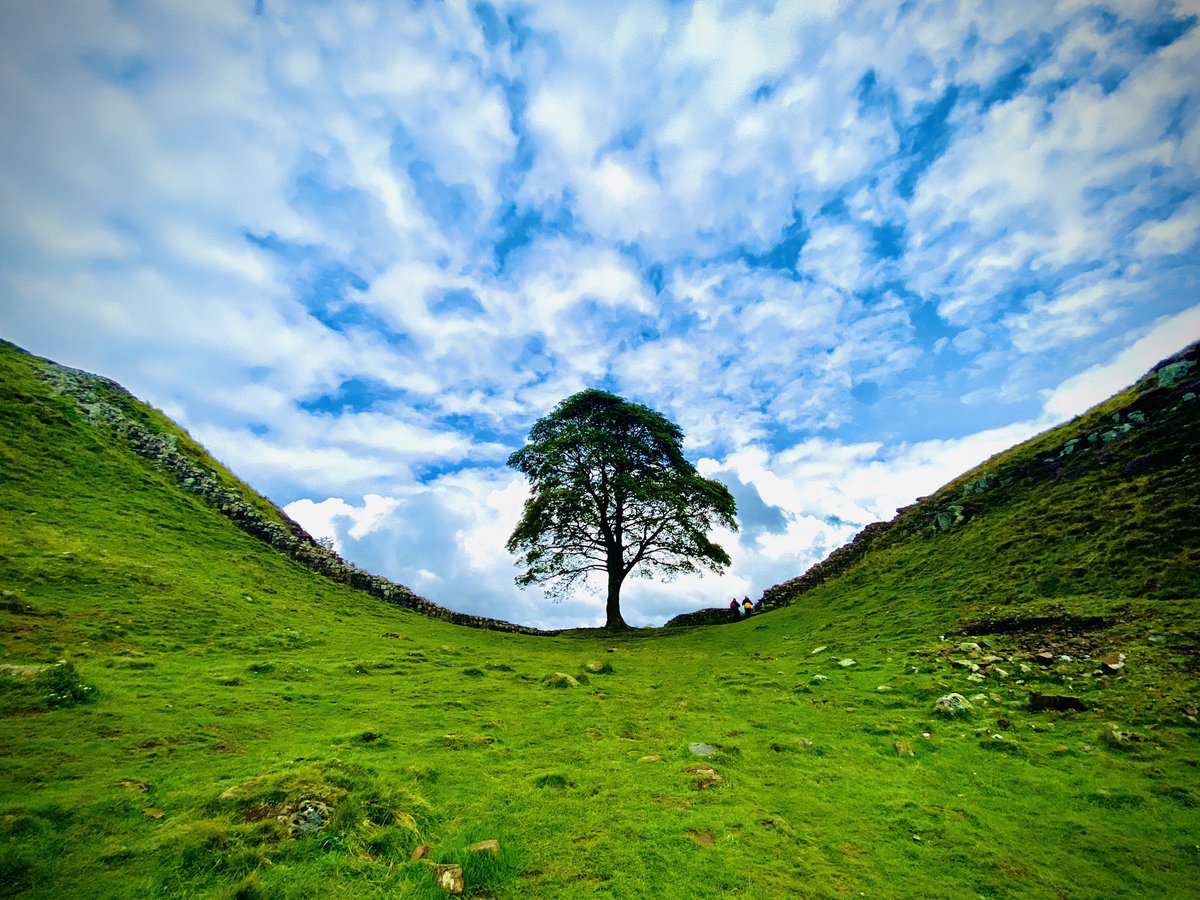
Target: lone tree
{"type": "Point", "coordinates": [612, 492]}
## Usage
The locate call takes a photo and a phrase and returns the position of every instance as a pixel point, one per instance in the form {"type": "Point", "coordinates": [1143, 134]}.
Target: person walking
{"type": "Point", "coordinates": [747, 606]}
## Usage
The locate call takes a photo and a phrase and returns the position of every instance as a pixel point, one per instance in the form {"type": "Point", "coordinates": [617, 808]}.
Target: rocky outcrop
{"type": "Point", "coordinates": [107, 404]}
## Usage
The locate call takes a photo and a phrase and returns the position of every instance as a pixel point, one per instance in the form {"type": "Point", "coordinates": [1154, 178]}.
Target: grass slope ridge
{"type": "Point", "coordinates": [184, 711]}
{"type": "Point", "coordinates": [1141, 444]}
{"type": "Point", "coordinates": [156, 438]}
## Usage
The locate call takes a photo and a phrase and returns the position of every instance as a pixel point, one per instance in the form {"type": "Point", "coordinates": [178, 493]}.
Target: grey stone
{"type": "Point", "coordinates": [702, 749]}
{"type": "Point", "coordinates": [309, 816]}
{"type": "Point", "coordinates": [952, 705]}
{"type": "Point", "coordinates": [1171, 375]}
{"type": "Point", "coordinates": [847, 663]}
{"type": "Point", "coordinates": [818, 679]}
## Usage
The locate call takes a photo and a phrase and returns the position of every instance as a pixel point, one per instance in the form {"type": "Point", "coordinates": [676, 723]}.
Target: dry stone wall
{"type": "Point", "coordinates": [102, 401]}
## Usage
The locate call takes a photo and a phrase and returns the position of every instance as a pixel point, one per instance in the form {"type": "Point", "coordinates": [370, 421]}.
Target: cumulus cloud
{"type": "Point", "coordinates": [851, 248]}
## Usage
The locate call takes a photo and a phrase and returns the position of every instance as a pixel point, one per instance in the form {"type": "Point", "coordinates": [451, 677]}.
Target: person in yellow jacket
{"type": "Point", "coordinates": [747, 606]}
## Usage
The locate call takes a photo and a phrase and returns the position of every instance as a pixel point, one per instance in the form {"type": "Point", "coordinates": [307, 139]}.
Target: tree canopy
{"type": "Point", "coordinates": [612, 492]}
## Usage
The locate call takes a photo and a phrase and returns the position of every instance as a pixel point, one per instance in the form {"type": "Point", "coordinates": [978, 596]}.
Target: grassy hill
{"type": "Point", "coordinates": [187, 711]}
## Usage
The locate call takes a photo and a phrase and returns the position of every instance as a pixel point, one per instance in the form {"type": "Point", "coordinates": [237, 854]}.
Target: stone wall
{"type": "Point", "coordinates": [101, 400]}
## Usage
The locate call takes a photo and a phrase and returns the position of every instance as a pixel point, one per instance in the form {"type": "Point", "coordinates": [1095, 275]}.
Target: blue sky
{"type": "Point", "coordinates": [357, 248]}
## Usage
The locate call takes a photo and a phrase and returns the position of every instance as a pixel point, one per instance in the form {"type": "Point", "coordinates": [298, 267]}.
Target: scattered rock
{"type": "Point", "coordinates": [598, 668]}
{"type": "Point", "coordinates": [884, 688]}
{"type": "Point", "coordinates": [904, 748]}
{"type": "Point", "coordinates": [971, 665]}
{"type": "Point", "coordinates": [490, 848]}
{"type": "Point", "coordinates": [703, 777]}
{"type": "Point", "coordinates": [952, 705]}
{"type": "Point", "coordinates": [846, 663]}
{"type": "Point", "coordinates": [561, 680]}
{"type": "Point", "coordinates": [997, 672]}
{"type": "Point", "coordinates": [420, 853]}
{"type": "Point", "coordinates": [702, 749]}
{"type": "Point", "coordinates": [652, 758]}
{"type": "Point", "coordinates": [818, 650]}
{"type": "Point", "coordinates": [449, 879]}
{"type": "Point", "coordinates": [1045, 658]}
{"type": "Point", "coordinates": [818, 679]}
{"type": "Point", "coordinates": [132, 784]}
{"type": "Point", "coordinates": [153, 812]}
{"type": "Point", "coordinates": [969, 647]}
{"type": "Point", "coordinates": [1172, 374]}
{"type": "Point", "coordinates": [309, 816]}
{"type": "Point", "coordinates": [1115, 737]}
{"type": "Point", "coordinates": [704, 838]}
{"type": "Point", "coordinates": [1113, 663]}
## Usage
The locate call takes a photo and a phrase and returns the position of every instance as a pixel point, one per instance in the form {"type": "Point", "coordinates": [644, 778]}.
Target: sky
{"type": "Point", "coordinates": [358, 248]}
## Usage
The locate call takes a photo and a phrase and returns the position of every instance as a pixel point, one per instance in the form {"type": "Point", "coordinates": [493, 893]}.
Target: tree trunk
{"type": "Point", "coordinates": [614, 621]}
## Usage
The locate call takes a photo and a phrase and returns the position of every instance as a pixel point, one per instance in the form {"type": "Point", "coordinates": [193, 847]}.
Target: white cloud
{"type": "Point", "coordinates": [1079, 393]}
{"type": "Point", "coordinates": [1049, 240]}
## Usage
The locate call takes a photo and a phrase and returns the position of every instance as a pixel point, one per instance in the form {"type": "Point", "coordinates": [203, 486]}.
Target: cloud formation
{"type": "Point", "coordinates": [852, 248]}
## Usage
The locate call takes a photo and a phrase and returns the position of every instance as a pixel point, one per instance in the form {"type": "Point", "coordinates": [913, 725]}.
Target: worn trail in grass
{"type": "Point", "coordinates": [229, 686]}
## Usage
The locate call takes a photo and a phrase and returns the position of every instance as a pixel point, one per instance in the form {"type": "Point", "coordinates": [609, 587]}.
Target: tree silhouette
{"type": "Point", "coordinates": [612, 492]}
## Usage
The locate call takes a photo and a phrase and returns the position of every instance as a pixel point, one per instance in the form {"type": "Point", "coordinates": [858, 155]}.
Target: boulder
{"type": "Point", "coordinates": [449, 879]}
{"type": "Point", "coordinates": [904, 748]}
{"type": "Point", "coordinates": [818, 679]}
{"type": "Point", "coordinates": [952, 705]}
{"type": "Point", "coordinates": [1044, 658]}
{"type": "Point", "coordinates": [1113, 663]}
{"type": "Point", "coordinates": [702, 749]}
{"type": "Point", "coordinates": [561, 680]}
{"type": "Point", "coordinates": [488, 848]}
{"type": "Point", "coordinates": [846, 663]}
{"type": "Point", "coordinates": [703, 777]}
{"type": "Point", "coordinates": [420, 853]}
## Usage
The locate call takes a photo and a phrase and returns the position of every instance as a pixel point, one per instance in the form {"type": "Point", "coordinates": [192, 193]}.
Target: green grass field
{"type": "Point", "coordinates": [212, 688]}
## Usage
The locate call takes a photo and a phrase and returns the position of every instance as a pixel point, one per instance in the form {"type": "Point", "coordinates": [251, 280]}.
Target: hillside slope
{"type": "Point", "coordinates": [186, 711]}
{"type": "Point", "coordinates": [1104, 503]}
{"type": "Point", "coordinates": [150, 435]}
